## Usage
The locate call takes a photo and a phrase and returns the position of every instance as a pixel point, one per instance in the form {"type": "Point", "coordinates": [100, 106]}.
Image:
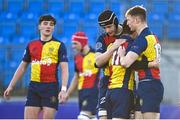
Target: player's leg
{"type": "Point", "coordinates": [109, 105]}
{"type": "Point", "coordinates": [122, 99]}
{"type": "Point", "coordinates": [33, 103]}
{"type": "Point", "coordinates": [137, 113]}
{"type": "Point", "coordinates": [89, 103]}
{"type": "Point", "coordinates": [151, 115]}
{"type": "Point", "coordinates": [49, 100]}
{"type": "Point", "coordinates": [102, 112]}
{"type": "Point", "coordinates": [31, 112]}
{"type": "Point", "coordinates": [48, 113]}
{"type": "Point", "coordinates": [151, 94]}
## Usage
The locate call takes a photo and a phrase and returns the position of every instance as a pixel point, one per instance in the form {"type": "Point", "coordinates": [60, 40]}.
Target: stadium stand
{"type": "Point", "coordinates": [96, 6]}
{"type": "Point", "coordinates": [8, 28]}
{"type": "Point", "coordinates": [77, 7]}
{"type": "Point", "coordinates": [56, 6]}
{"type": "Point", "coordinates": [28, 28]}
{"type": "Point", "coordinates": [14, 6]}
{"type": "Point", "coordinates": [160, 6]}
{"type": "Point", "coordinates": [36, 6]}
{"type": "Point", "coordinates": [1, 5]}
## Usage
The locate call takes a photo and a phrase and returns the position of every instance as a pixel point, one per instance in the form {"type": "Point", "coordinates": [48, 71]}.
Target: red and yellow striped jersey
{"type": "Point", "coordinates": [45, 58]}
{"type": "Point", "coordinates": [147, 46]}
{"type": "Point", "coordinates": [88, 73]}
{"type": "Point", "coordinates": [120, 77]}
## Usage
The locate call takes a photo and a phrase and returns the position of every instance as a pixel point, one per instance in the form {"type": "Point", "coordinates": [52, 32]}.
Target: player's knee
{"type": "Point", "coordinates": [84, 116]}
{"type": "Point", "coordinates": [48, 113]}
{"type": "Point", "coordinates": [151, 115]}
{"type": "Point", "coordinates": [31, 112]}
{"type": "Point", "coordinates": [48, 116]}
{"type": "Point", "coordinates": [138, 115]}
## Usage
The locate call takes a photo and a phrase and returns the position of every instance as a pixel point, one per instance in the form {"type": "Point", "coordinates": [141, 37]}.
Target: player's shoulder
{"type": "Point", "coordinates": [57, 40]}
{"type": "Point", "coordinates": [145, 32]}
{"type": "Point", "coordinates": [34, 41]}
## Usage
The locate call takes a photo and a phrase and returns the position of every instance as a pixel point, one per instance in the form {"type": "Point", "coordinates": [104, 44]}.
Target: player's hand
{"type": "Point", "coordinates": [121, 51]}
{"type": "Point", "coordinates": [117, 43]}
{"type": "Point", "coordinates": [62, 96]}
{"type": "Point", "coordinates": [155, 64]}
{"type": "Point", "coordinates": [7, 92]}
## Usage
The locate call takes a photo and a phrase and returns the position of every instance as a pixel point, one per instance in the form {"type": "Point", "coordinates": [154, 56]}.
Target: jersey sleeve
{"type": "Point", "coordinates": [63, 53]}
{"type": "Point", "coordinates": [100, 45]}
{"type": "Point", "coordinates": [27, 56]}
{"type": "Point", "coordinates": [139, 45]}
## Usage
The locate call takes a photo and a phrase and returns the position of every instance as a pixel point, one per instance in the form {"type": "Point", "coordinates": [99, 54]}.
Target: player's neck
{"type": "Point", "coordinates": [141, 27]}
{"type": "Point", "coordinates": [46, 38]}
{"type": "Point", "coordinates": [86, 49]}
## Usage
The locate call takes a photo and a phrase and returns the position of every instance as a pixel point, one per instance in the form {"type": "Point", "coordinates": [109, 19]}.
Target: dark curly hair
{"type": "Point", "coordinates": [47, 18]}
{"type": "Point", "coordinates": [126, 28]}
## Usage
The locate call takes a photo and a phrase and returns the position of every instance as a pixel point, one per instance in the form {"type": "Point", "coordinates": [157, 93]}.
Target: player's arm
{"type": "Point", "coordinates": [17, 76]}
{"type": "Point", "coordinates": [138, 46]}
{"type": "Point", "coordinates": [154, 64]}
{"type": "Point", "coordinates": [103, 58]}
{"type": "Point", "coordinates": [64, 66]}
{"type": "Point", "coordinates": [64, 72]}
{"type": "Point", "coordinates": [64, 78]}
{"type": "Point", "coordinates": [101, 55]}
{"type": "Point", "coordinates": [129, 59]}
{"type": "Point", "coordinates": [145, 64]}
{"type": "Point", "coordinates": [64, 75]}
{"type": "Point", "coordinates": [73, 85]}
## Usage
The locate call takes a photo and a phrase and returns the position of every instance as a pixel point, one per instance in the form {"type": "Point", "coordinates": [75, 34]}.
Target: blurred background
{"type": "Point", "coordinates": [18, 26]}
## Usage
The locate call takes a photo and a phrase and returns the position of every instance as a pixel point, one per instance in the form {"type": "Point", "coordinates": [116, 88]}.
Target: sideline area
{"type": "Point", "coordinates": [14, 109]}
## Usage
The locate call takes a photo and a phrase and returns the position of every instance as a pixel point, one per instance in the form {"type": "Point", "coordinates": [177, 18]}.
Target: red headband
{"type": "Point", "coordinates": [81, 38]}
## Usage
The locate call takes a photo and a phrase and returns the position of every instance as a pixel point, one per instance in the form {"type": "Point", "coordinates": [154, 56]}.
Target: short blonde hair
{"type": "Point", "coordinates": [137, 11]}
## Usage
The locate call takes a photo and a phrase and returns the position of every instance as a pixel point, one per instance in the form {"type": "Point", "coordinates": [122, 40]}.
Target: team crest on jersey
{"type": "Point", "coordinates": [53, 99]}
{"type": "Point", "coordinates": [98, 45]}
{"type": "Point", "coordinates": [51, 49]}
